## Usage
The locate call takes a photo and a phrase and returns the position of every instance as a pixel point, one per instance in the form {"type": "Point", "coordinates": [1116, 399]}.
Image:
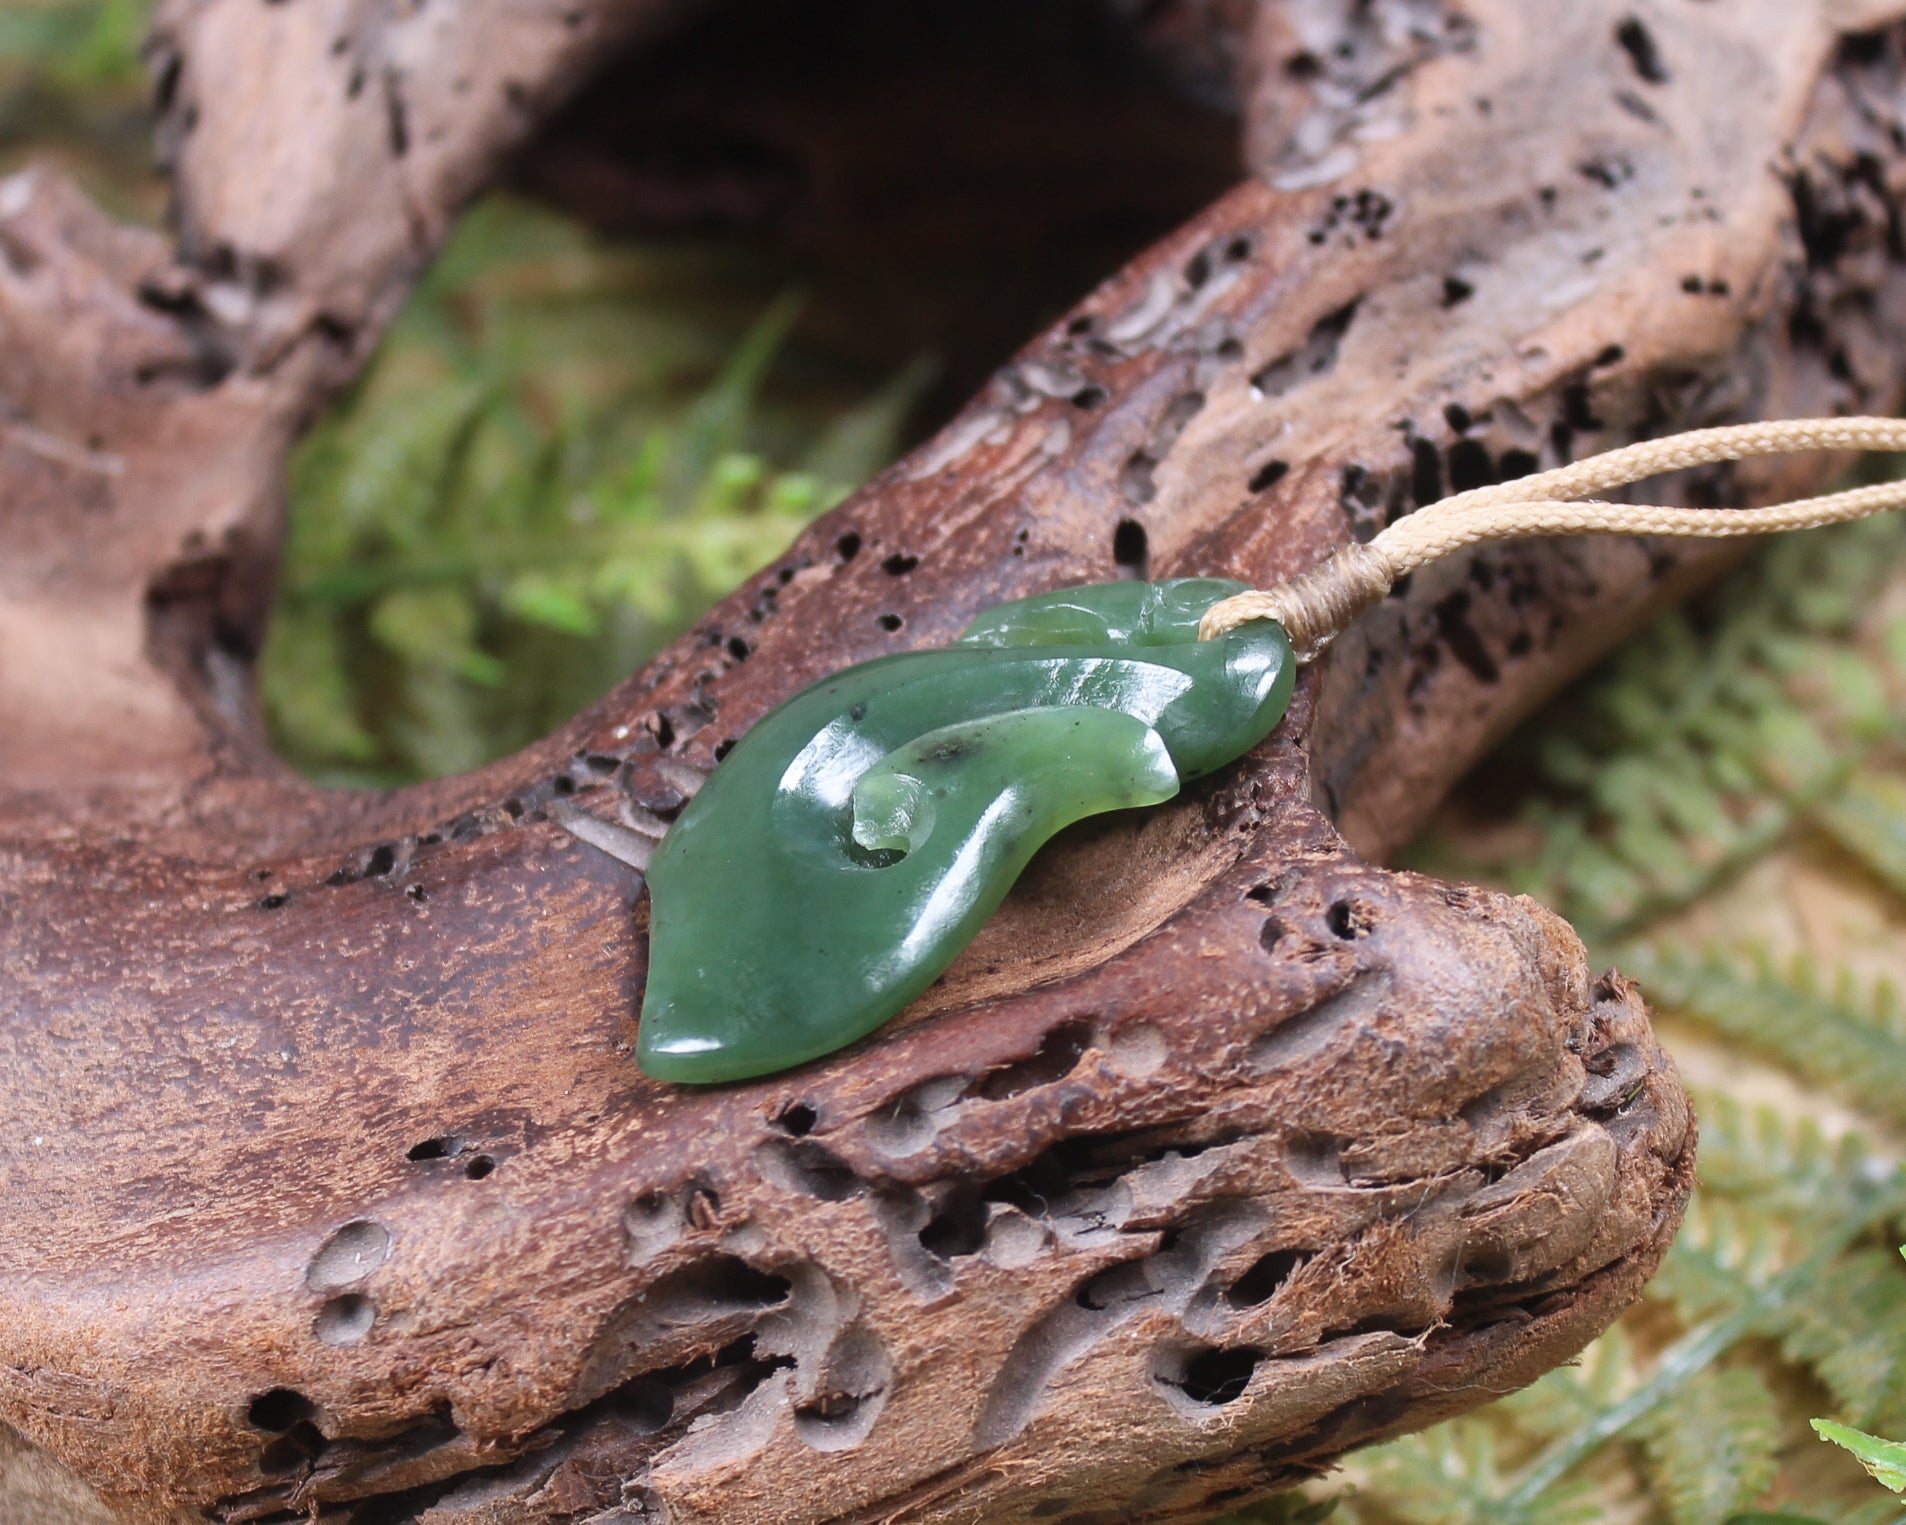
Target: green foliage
{"type": "Point", "coordinates": [1885, 1459]}
{"type": "Point", "coordinates": [1825, 1025]}
{"type": "Point", "coordinates": [73, 90]}
{"type": "Point", "coordinates": [1700, 745]}
{"type": "Point", "coordinates": [1763, 723]}
{"type": "Point", "coordinates": [1712, 1452]}
{"type": "Point", "coordinates": [75, 47]}
{"type": "Point", "coordinates": [516, 508]}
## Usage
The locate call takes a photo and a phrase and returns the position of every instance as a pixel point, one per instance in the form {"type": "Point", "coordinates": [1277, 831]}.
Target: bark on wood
{"type": "Point", "coordinates": [329, 1184]}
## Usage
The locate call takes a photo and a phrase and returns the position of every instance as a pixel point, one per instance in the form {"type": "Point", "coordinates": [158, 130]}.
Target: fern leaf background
{"type": "Point", "coordinates": [567, 448]}
{"type": "Point", "coordinates": [1721, 811]}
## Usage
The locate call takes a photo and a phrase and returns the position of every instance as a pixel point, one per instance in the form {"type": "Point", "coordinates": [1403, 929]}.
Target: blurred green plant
{"type": "Point", "coordinates": [73, 90]}
{"type": "Point", "coordinates": [74, 50]}
{"type": "Point", "coordinates": [529, 495]}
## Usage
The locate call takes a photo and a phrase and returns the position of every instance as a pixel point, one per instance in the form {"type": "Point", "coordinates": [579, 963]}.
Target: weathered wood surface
{"type": "Point", "coordinates": [329, 1185]}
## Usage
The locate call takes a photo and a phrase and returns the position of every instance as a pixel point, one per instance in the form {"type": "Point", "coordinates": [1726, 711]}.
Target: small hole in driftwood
{"type": "Point", "coordinates": [1058, 1056]}
{"type": "Point", "coordinates": [810, 1168]}
{"type": "Point", "coordinates": [1470, 466]}
{"type": "Point", "coordinates": [848, 546]}
{"type": "Point", "coordinates": [278, 1410]}
{"type": "Point", "coordinates": [797, 1119]}
{"type": "Point", "coordinates": [349, 1255]}
{"type": "Point", "coordinates": [891, 622]}
{"type": "Point", "coordinates": [1269, 475]}
{"type": "Point", "coordinates": [294, 1451]}
{"type": "Point", "coordinates": [480, 1168]}
{"type": "Point", "coordinates": [1135, 482]}
{"type": "Point", "coordinates": [345, 1320]}
{"type": "Point", "coordinates": [1317, 356]}
{"type": "Point", "coordinates": [1639, 44]}
{"type": "Point", "coordinates": [704, 1207]}
{"type": "Point", "coordinates": [1131, 548]}
{"type": "Point", "coordinates": [645, 1405]}
{"type": "Point", "coordinates": [438, 1148]}
{"type": "Point", "coordinates": [1214, 1377]}
{"type": "Point", "coordinates": [713, 1286]}
{"type": "Point", "coordinates": [1263, 1277]}
{"type": "Point", "coordinates": [1348, 920]}
{"type": "Point", "coordinates": [958, 1228]}
{"type": "Point", "coordinates": [651, 1223]}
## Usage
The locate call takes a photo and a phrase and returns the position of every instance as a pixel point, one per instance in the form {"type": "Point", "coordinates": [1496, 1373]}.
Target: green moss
{"type": "Point", "coordinates": [554, 465]}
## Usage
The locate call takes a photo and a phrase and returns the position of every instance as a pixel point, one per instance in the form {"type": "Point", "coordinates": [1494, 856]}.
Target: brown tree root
{"type": "Point", "coordinates": [330, 1187]}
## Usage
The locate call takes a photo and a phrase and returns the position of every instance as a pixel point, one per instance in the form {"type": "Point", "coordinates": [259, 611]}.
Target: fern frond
{"type": "Point", "coordinates": [1712, 1451]}
{"type": "Point", "coordinates": [1826, 1028]}
{"type": "Point", "coordinates": [1782, 1164]}
{"type": "Point", "coordinates": [1570, 1394]}
{"type": "Point", "coordinates": [1695, 749]}
{"type": "Point", "coordinates": [1851, 1329]}
{"type": "Point", "coordinates": [1454, 1475]}
{"type": "Point", "coordinates": [1726, 1255]}
{"type": "Point", "coordinates": [1868, 819]}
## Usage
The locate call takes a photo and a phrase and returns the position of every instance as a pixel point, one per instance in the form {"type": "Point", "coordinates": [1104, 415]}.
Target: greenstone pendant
{"type": "Point", "coordinates": [857, 838]}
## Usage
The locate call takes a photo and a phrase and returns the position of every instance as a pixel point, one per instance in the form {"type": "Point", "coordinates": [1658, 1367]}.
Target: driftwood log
{"type": "Point", "coordinates": [329, 1188]}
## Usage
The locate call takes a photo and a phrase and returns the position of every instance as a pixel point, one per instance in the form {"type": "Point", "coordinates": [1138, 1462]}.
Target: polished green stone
{"type": "Point", "coordinates": [859, 836]}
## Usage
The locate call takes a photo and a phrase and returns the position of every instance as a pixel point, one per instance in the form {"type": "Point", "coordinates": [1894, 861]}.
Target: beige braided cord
{"type": "Point", "coordinates": [1316, 605]}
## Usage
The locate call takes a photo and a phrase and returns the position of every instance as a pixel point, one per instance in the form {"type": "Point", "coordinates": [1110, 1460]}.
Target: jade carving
{"type": "Point", "coordinates": [857, 838]}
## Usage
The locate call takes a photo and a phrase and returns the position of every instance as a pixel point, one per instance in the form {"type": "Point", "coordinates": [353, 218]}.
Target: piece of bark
{"type": "Point", "coordinates": [329, 1180]}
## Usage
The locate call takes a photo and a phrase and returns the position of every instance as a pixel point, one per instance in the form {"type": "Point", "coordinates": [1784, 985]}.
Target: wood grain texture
{"type": "Point", "coordinates": [329, 1184]}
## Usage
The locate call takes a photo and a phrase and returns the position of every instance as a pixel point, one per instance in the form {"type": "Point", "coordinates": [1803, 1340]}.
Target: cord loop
{"type": "Point", "coordinates": [1316, 605]}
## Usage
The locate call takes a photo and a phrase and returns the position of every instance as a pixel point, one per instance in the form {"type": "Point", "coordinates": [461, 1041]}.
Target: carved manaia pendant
{"type": "Point", "coordinates": [858, 837]}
